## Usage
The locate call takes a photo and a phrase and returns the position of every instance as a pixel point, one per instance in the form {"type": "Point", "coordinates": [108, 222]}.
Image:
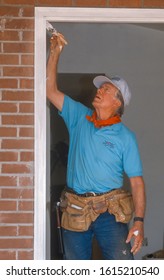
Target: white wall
{"type": "Point", "coordinates": [135, 53]}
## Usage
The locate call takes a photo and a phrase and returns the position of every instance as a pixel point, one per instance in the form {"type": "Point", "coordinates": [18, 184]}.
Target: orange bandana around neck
{"type": "Point", "coordinates": [101, 123]}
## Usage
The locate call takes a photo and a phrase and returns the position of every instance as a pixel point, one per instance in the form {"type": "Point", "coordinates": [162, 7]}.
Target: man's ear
{"type": "Point", "coordinates": [117, 103]}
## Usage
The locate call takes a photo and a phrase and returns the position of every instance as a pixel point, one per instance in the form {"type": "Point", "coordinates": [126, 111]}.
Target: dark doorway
{"type": "Point", "coordinates": [80, 87]}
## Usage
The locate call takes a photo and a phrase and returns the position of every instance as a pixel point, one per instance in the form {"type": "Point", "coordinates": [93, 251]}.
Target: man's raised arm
{"type": "Point", "coordinates": [55, 96]}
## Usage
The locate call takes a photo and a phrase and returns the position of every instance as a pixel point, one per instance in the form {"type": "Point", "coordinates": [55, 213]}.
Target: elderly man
{"type": "Point", "coordinates": [101, 149]}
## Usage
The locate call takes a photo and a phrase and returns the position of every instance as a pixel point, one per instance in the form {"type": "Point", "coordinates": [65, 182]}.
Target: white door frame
{"type": "Point", "coordinates": [42, 14]}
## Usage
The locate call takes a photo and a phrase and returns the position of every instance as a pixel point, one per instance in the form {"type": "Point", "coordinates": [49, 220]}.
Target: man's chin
{"type": "Point", "coordinates": [95, 104]}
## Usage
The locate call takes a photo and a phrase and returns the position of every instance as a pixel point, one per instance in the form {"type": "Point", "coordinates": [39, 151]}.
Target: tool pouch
{"type": "Point", "coordinates": [121, 205]}
{"type": "Point", "coordinates": [77, 212]}
{"type": "Point", "coordinates": [99, 204]}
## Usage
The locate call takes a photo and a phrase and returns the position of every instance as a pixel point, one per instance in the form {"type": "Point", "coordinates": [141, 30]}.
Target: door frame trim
{"type": "Point", "coordinates": [43, 14]}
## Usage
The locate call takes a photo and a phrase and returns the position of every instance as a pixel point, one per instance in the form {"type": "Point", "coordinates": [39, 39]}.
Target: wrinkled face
{"type": "Point", "coordinates": [105, 97]}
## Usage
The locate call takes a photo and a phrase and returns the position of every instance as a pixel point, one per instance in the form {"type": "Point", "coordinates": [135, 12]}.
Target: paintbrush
{"type": "Point", "coordinates": [53, 30]}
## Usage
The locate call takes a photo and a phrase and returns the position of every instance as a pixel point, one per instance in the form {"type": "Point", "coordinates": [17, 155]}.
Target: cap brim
{"type": "Point", "coordinates": [100, 80]}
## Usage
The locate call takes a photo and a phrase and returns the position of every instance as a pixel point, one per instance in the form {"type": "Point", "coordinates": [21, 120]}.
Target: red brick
{"type": "Point", "coordinates": [16, 218]}
{"type": "Point", "coordinates": [27, 59]}
{"type": "Point", "coordinates": [26, 83]}
{"type": "Point", "coordinates": [18, 119]}
{"type": "Point", "coordinates": [8, 205]}
{"type": "Point", "coordinates": [18, 71]}
{"type": "Point", "coordinates": [91, 3]}
{"type": "Point", "coordinates": [8, 107]}
{"type": "Point", "coordinates": [25, 255]}
{"type": "Point", "coordinates": [16, 168]}
{"type": "Point", "coordinates": [17, 144]}
{"type": "Point", "coordinates": [125, 3]}
{"type": "Point", "coordinates": [20, 2]}
{"type": "Point", "coordinates": [26, 108]}
{"type": "Point", "coordinates": [8, 181]}
{"type": "Point", "coordinates": [26, 132]}
{"type": "Point", "coordinates": [26, 156]}
{"type": "Point", "coordinates": [7, 11]}
{"type": "Point", "coordinates": [13, 11]}
{"type": "Point", "coordinates": [9, 59]}
{"type": "Point", "coordinates": [26, 231]}
{"type": "Point", "coordinates": [8, 131]}
{"type": "Point", "coordinates": [16, 243]}
{"type": "Point", "coordinates": [8, 156]}
{"type": "Point", "coordinates": [28, 11]}
{"type": "Point", "coordinates": [8, 83]}
{"type": "Point", "coordinates": [8, 255]}
{"type": "Point", "coordinates": [55, 2]}
{"type": "Point", "coordinates": [26, 181]}
{"type": "Point", "coordinates": [153, 4]}
{"type": "Point", "coordinates": [18, 95]}
{"type": "Point", "coordinates": [8, 230]}
{"type": "Point", "coordinates": [28, 36]}
{"type": "Point", "coordinates": [17, 193]}
{"type": "Point", "coordinates": [19, 24]}
{"type": "Point", "coordinates": [7, 35]}
{"type": "Point", "coordinates": [25, 206]}
{"type": "Point", "coordinates": [18, 47]}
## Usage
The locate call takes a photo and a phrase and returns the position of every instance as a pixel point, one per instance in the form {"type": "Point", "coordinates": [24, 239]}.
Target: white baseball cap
{"type": "Point", "coordinates": [118, 82]}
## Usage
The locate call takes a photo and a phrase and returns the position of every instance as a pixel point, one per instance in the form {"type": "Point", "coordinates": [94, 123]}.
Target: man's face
{"type": "Point", "coordinates": [105, 97]}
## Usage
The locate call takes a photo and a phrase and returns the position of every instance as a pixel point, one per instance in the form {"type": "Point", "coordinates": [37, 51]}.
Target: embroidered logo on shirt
{"type": "Point", "coordinates": [108, 144]}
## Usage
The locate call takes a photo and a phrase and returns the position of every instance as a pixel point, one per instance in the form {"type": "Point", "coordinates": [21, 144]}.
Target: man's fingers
{"type": "Point", "coordinates": [129, 237]}
{"type": "Point", "coordinates": [136, 247]}
{"type": "Point", "coordinates": [62, 38]}
{"type": "Point", "coordinates": [138, 238]}
{"type": "Point", "coordinates": [56, 43]}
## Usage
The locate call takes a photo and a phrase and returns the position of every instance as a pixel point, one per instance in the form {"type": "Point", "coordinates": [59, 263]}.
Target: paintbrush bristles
{"type": "Point", "coordinates": [51, 29]}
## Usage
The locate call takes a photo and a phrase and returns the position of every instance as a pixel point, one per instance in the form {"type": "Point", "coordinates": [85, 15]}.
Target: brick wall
{"type": "Point", "coordinates": [16, 129]}
{"type": "Point", "coordinates": [17, 116]}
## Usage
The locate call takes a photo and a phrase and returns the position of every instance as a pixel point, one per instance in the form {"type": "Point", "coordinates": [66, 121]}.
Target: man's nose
{"type": "Point", "coordinates": [100, 90]}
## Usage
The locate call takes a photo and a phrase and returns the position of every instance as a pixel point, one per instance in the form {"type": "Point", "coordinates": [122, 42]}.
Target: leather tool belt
{"type": "Point", "coordinates": [79, 211]}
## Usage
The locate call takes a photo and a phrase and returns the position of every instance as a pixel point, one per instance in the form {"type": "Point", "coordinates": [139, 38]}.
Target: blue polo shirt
{"type": "Point", "coordinates": [98, 157]}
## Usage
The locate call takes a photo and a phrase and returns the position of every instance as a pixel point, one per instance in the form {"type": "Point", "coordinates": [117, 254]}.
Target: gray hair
{"type": "Point", "coordinates": [120, 110]}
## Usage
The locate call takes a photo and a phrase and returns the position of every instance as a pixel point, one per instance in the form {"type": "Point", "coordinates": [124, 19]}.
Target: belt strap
{"type": "Point", "coordinates": [88, 194]}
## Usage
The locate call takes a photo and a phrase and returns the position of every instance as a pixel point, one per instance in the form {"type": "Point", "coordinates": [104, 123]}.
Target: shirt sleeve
{"type": "Point", "coordinates": [72, 112]}
{"type": "Point", "coordinates": [131, 158]}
